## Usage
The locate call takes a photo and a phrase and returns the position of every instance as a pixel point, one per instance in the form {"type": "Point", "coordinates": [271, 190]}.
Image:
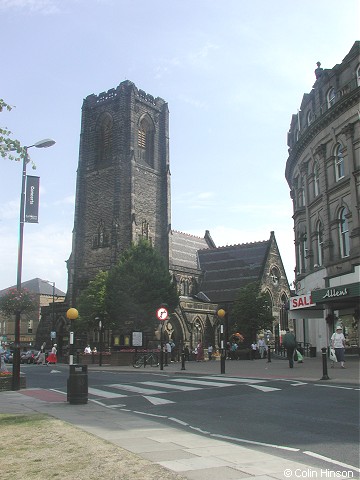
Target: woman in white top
{"type": "Point", "coordinates": [338, 343]}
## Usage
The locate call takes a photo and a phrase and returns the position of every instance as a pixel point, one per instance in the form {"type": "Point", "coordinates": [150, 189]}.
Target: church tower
{"type": "Point", "coordinates": [123, 181]}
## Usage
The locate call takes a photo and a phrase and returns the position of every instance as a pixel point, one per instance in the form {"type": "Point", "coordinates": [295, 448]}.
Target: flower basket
{"type": "Point", "coordinates": [6, 381]}
{"type": "Point", "coordinates": [15, 300]}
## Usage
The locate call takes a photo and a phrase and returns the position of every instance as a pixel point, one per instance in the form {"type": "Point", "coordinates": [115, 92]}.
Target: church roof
{"type": "Point", "coordinates": [183, 249]}
{"type": "Point", "coordinates": [38, 286]}
{"type": "Point", "coordinates": [226, 269]}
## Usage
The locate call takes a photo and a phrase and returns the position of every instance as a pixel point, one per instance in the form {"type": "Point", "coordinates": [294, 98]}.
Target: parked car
{"type": "Point", "coordinates": [28, 357]}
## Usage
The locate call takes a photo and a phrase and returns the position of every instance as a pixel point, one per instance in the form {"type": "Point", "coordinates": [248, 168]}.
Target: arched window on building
{"type": "Point", "coordinates": [310, 117]}
{"type": "Point", "coordinates": [316, 179]}
{"type": "Point", "coordinates": [339, 162]}
{"type": "Point", "coordinates": [330, 97]}
{"type": "Point", "coordinates": [301, 194]}
{"type": "Point", "coordinates": [344, 238]}
{"type": "Point", "coordinates": [319, 244]}
{"type": "Point", "coordinates": [358, 75]}
{"type": "Point", "coordinates": [146, 141]}
{"type": "Point", "coordinates": [105, 138]}
{"type": "Point", "coordinates": [301, 254]}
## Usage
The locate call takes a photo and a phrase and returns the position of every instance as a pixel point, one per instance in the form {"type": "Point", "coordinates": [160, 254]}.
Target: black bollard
{"type": "Point", "coordinates": [268, 355]}
{"type": "Point", "coordinates": [222, 360]}
{"type": "Point", "coordinates": [182, 361]}
{"type": "Point", "coordinates": [324, 362]}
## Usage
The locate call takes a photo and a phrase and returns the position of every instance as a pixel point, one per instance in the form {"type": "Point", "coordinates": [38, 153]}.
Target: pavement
{"type": "Point", "coordinates": [194, 455]}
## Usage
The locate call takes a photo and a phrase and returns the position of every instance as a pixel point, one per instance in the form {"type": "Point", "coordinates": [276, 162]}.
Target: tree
{"type": "Point", "coordinates": [91, 304]}
{"type": "Point", "coordinates": [251, 312]}
{"type": "Point", "coordinates": [7, 143]}
{"type": "Point", "coordinates": [137, 286]}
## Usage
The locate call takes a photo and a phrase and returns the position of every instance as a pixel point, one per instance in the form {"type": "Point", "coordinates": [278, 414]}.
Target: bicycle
{"type": "Point", "coordinates": [151, 359]}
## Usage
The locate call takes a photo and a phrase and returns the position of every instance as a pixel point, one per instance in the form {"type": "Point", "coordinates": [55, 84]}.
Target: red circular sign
{"type": "Point", "coordinates": [162, 313]}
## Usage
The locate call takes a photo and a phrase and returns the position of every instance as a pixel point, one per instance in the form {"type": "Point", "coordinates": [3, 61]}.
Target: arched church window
{"type": "Point", "coordinates": [344, 233]}
{"type": "Point", "coordinates": [146, 141]}
{"type": "Point", "coordinates": [105, 138]}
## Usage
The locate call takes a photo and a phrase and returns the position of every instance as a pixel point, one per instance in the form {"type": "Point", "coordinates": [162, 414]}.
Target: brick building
{"type": "Point", "coordinates": [323, 173]}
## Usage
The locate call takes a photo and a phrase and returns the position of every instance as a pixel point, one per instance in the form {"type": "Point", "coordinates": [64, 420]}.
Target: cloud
{"type": "Point", "coordinates": [45, 7]}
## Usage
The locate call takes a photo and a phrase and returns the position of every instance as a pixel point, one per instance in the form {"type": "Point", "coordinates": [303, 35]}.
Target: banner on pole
{"type": "Point", "coordinates": [32, 199]}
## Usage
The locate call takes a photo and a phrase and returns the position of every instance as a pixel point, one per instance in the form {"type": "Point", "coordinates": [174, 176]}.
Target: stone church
{"type": "Point", "coordinates": [123, 194]}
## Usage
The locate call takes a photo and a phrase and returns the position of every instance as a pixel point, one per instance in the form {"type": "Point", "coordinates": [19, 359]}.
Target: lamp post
{"type": "Point", "coordinates": [222, 314]}
{"type": "Point", "coordinates": [100, 340]}
{"type": "Point", "coordinates": [72, 314]}
{"type": "Point", "coordinates": [16, 357]}
{"type": "Point", "coordinates": [53, 310]}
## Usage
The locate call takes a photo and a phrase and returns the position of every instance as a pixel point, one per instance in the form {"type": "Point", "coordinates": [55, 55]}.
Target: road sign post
{"type": "Point", "coordinates": [162, 315]}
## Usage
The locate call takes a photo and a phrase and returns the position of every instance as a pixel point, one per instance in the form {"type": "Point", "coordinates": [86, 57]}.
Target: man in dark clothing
{"type": "Point", "coordinates": [289, 343]}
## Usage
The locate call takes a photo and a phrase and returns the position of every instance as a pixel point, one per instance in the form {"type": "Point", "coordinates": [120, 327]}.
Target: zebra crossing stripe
{"type": "Point", "coordinates": [157, 401]}
{"type": "Point", "coordinates": [184, 388]}
{"type": "Point", "coordinates": [235, 380]}
{"type": "Point", "coordinates": [135, 389]}
{"type": "Point", "coordinates": [201, 382]}
{"type": "Point", "coordinates": [104, 393]}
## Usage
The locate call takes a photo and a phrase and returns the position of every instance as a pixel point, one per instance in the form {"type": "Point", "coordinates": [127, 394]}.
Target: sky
{"type": "Point", "coordinates": [233, 73]}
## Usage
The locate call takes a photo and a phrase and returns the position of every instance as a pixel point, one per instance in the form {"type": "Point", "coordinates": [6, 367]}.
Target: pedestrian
{"type": "Point", "coordinates": [173, 352]}
{"type": "Point", "coordinates": [262, 347]}
{"type": "Point", "coordinates": [87, 349]}
{"type": "Point", "coordinates": [52, 356]}
{"type": "Point", "coordinates": [289, 343]}
{"type": "Point", "coordinates": [338, 344]}
{"type": "Point", "coordinates": [187, 353]}
{"type": "Point", "coordinates": [167, 352]}
{"type": "Point", "coordinates": [41, 355]}
{"type": "Point", "coordinates": [253, 350]}
{"type": "Point", "coordinates": [210, 351]}
{"type": "Point", "coordinates": [233, 351]}
{"type": "Point", "coordinates": [200, 352]}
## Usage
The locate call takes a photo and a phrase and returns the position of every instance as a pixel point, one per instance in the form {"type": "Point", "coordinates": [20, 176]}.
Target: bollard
{"type": "Point", "coordinates": [324, 362]}
{"type": "Point", "coordinates": [268, 355]}
{"type": "Point", "coordinates": [183, 361]}
{"type": "Point", "coordinates": [222, 361]}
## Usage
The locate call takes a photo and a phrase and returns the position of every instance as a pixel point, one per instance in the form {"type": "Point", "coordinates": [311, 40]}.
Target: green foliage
{"type": "Point", "coordinates": [138, 285]}
{"type": "Point", "coordinates": [251, 312]}
{"type": "Point", "coordinates": [8, 145]}
{"type": "Point", "coordinates": [14, 301]}
{"type": "Point", "coordinates": [91, 304]}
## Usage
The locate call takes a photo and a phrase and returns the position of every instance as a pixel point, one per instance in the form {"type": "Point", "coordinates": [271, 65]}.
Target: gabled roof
{"type": "Point", "coordinates": [183, 249]}
{"type": "Point", "coordinates": [226, 269]}
{"type": "Point", "coordinates": [36, 285]}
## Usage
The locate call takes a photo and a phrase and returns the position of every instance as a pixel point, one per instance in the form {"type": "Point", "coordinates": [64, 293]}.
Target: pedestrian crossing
{"type": "Point", "coordinates": [155, 392]}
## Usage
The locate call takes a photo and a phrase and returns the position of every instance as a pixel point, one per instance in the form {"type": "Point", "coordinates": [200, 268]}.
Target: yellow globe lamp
{"type": "Point", "coordinates": [72, 314]}
{"type": "Point", "coordinates": [221, 313]}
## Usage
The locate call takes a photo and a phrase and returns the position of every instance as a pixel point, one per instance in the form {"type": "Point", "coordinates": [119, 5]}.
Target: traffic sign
{"type": "Point", "coordinates": [162, 313]}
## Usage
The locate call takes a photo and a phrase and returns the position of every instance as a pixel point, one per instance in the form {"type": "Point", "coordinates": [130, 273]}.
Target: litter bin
{"type": "Point", "coordinates": [77, 385]}
{"type": "Point", "coordinates": [312, 352]}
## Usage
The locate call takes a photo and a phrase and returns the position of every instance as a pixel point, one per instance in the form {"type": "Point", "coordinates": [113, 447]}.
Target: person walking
{"type": "Point", "coordinates": [261, 347]}
{"type": "Point", "coordinates": [253, 350]}
{"type": "Point", "coordinates": [210, 351]}
{"type": "Point", "coordinates": [338, 344]}
{"type": "Point", "coordinates": [52, 357]}
{"type": "Point", "coordinates": [289, 343]}
{"type": "Point", "coordinates": [41, 360]}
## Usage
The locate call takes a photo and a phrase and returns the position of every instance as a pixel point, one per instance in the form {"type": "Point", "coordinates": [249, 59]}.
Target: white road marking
{"type": "Point", "coordinates": [170, 385]}
{"type": "Point", "coordinates": [135, 389]}
{"type": "Point", "coordinates": [332, 386]}
{"type": "Point", "coordinates": [242, 440]}
{"type": "Point", "coordinates": [199, 382]}
{"type": "Point", "coordinates": [330, 460]}
{"type": "Point", "coordinates": [264, 389]}
{"type": "Point", "coordinates": [236, 380]}
{"type": "Point", "coordinates": [157, 401]}
{"type": "Point", "coordinates": [104, 393]}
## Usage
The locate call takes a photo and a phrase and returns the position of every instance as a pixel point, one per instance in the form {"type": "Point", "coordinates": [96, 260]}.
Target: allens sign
{"type": "Point", "coordinates": [336, 293]}
{"type": "Point", "coordinates": [302, 301]}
